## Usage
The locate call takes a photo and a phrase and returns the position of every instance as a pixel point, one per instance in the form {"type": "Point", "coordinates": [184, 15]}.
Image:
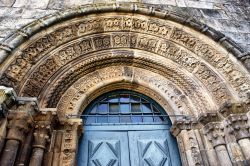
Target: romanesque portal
{"type": "Point", "coordinates": [71, 58]}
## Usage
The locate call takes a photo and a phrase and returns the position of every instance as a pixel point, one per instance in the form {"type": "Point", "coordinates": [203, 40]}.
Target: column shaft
{"type": "Point", "coordinates": [9, 153]}
{"type": "Point", "coordinates": [37, 157]}
{"type": "Point", "coordinates": [223, 155]}
{"type": "Point", "coordinates": [245, 145]}
{"type": "Point", "coordinates": [25, 150]}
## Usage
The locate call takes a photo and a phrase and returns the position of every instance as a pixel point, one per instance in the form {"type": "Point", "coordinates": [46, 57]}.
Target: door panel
{"type": "Point", "coordinates": [153, 148]}
{"type": "Point", "coordinates": [99, 148]}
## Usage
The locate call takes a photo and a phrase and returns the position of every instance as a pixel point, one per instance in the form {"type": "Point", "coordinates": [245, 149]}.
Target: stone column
{"type": "Point", "coordinates": [215, 133]}
{"type": "Point", "coordinates": [43, 129]}
{"type": "Point", "coordinates": [18, 126]}
{"type": "Point", "coordinates": [25, 151]}
{"type": "Point", "coordinates": [211, 153]}
{"type": "Point", "coordinates": [240, 129]}
{"type": "Point", "coordinates": [3, 132]}
{"type": "Point", "coordinates": [72, 132]}
{"type": "Point", "coordinates": [7, 100]}
{"type": "Point", "coordinates": [40, 138]}
{"type": "Point", "coordinates": [190, 147]}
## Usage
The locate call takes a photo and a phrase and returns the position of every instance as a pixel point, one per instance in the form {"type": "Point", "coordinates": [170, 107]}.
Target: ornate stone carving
{"type": "Point", "coordinates": [213, 82]}
{"type": "Point", "coordinates": [215, 133]}
{"type": "Point", "coordinates": [183, 38]}
{"type": "Point", "coordinates": [158, 27]}
{"type": "Point", "coordinates": [233, 108]}
{"type": "Point", "coordinates": [203, 74]}
{"type": "Point", "coordinates": [72, 132]}
{"type": "Point", "coordinates": [238, 126]}
{"type": "Point", "coordinates": [184, 124]}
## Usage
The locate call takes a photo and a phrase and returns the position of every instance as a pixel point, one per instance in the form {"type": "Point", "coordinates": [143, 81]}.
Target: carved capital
{"type": "Point", "coordinates": [7, 99]}
{"type": "Point", "coordinates": [44, 122]}
{"type": "Point", "coordinates": [238, 126]}
{"type": "Point", "coordinates": [18, 125]}
{"type": "Point", "coordinates": [41, 136]}
{"type": "Point", "coordinates": [21, 118]}
{"type": "Point", "coordinates": [215, 133]}
{"type": "Point", "coordinates": [183, 124]}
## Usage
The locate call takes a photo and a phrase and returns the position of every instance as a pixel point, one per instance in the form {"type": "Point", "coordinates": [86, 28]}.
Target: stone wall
{"type": "Point", "coordinates": [231, 17]}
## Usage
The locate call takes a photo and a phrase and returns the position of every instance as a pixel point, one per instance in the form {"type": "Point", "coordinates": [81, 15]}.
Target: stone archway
{"type": "Point", "coordinates": [188, 67]}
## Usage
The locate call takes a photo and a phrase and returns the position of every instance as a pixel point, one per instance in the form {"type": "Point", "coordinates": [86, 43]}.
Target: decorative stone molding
{"type": "Point", "coordinates": [184, 124]}
{"type": "Point", "coordinates": [234, 108]}
{"type": "Point", "coordinates": [238, 126]}
{"type": "Point", "coordinates": [72, 132]}
{"type": "Point", "coordinates": [18, 124]}
{"type": "Point", "coordinates": [205, 118]}
{"type": "Point", "coordinates": [215, 133]}
{"type": "Point", "coordinates": [41, 64]}
{"type": "Point", "coordinates": [18, 38]}
{"type": "Point", "coordinates": [186, 133]}
{"type": "Point", "coordinates": [188, 66]}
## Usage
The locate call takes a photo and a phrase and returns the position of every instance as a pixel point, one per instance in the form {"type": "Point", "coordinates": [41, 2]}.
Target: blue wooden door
{"type": "Point", "coordinates": [152, 148]}
{"type": "Point", "coordinates": [103, 149]}
{"type": "Point", "coordinates": [125, 128]}
{"type": "Point", "coordinates": [128, 145]}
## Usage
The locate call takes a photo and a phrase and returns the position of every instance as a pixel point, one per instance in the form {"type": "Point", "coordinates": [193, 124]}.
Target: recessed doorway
{"type": "Point", "coordinates": [126, 128]}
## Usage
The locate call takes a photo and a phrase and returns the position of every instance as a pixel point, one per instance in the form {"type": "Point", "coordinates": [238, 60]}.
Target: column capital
{"type": "Point", "coordinates": [19, 123]}
{"type": "Point", "coordinates": [215, 133]}
{"type": "Point", "coordinates": [184, 124]}
{"type": "Point", "coordinates": [44, 121]}
{"type": "Point", "coordinates": [238, 126]}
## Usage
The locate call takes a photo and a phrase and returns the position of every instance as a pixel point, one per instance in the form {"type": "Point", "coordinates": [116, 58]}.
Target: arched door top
{"type": "Point", "coordinates": [123, 107]}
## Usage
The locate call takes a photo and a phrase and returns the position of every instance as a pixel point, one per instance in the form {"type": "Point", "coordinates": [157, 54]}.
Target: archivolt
{"type": "Point", "coordinates": [54, 59]}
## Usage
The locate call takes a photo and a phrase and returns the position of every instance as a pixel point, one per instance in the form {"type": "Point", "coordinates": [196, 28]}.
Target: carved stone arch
{"type": "Point", "coordinates": [32, 64]}
{"type": "Point", "coordinates": [126, 84]}
{"type": "Point", "coordinates": [186, 66]}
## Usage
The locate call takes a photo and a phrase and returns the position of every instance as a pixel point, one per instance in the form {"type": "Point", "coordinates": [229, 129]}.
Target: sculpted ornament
{"type": "Point", "coordinates": [238, 126]}
{"type": "Point", "coordinates": [46, 55]}
{"type": "Point", "coordinates": [215, 133]}
{"type": "Point", "coordinates": [179, 101]}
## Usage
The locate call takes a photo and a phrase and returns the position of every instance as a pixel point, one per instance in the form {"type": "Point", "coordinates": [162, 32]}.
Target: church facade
{"type": "Point", "coordinates": [122, 84]}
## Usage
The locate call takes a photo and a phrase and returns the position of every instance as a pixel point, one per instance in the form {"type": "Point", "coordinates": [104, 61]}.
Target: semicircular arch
{"type": "Point", "coordinates": [155, 39]}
